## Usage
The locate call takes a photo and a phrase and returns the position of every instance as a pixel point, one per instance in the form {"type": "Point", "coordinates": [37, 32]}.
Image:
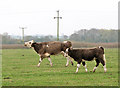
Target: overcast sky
{"type": "Point", "coordinates": [38, 16]}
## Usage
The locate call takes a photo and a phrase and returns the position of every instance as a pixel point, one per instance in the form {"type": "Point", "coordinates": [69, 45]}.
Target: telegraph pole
{"type": "Point", "coordinates": [58, 24]}
{"type": "Point", "coordinates": [23, 32]}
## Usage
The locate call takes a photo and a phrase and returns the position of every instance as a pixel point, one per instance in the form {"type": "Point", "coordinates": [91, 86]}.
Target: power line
{"type": "Point", "coordinates": [58, 24]}
{"type": "Point", "coordinates": [23, 32]}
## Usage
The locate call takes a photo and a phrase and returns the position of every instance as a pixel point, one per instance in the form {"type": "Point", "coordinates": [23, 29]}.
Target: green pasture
{"type": "Point", "coordinates": [19, 68]}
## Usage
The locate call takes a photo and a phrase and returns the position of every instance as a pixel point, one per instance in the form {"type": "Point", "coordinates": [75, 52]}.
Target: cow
{"type": "Point", "coordinates": [46, 49]}
{"type": "Point", "coordinates": [82, 55]}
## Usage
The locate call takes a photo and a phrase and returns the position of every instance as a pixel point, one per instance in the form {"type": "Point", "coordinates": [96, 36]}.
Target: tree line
{"type": "Point", "coordinates": [93, 36]}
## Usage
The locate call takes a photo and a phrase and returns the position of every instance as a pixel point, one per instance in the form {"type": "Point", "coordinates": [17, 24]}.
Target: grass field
{"type": "Point", "coordinates": [19, 68]}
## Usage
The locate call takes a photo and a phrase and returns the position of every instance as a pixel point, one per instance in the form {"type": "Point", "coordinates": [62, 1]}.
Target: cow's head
{"type": "Point", "coordinates": [29, 43]}
{"type": "Point", "coordinates": [68, 50]}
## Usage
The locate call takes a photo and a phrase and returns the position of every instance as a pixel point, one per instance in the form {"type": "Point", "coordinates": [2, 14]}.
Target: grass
{"type": "Point", "coordinates": [19, 68]}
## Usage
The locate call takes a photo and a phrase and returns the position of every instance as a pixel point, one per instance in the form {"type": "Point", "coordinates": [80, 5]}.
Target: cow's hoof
{"type": "Point", "coordinates": [104, 71]}
{"type": "Point", "coordinates": [38, 65]}
{"type": "Point", "coordinates": [72, 63]}
{"type": "Point", "coordinates": [76, 72]}
{"type": "Point", "coordinates": [51, 65]}
{"type": "Point", "coordinates": [93, 71]}
{"type": "Point", "coordinates": [66, 65]}
{"type": "Point", "coordinates": [90, 71]}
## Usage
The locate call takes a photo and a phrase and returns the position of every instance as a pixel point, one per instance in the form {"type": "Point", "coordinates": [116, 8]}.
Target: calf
{"type": "Point", "coordinates": [45, 49]}
{"type": "Point", "coordinates": [82, 55]}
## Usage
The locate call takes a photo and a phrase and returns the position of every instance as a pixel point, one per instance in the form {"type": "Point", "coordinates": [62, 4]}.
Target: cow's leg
{"type": "Point", "coordinates": [40, 60]}
{"type": "Point", "coordinates": [67, 61]}
{"type": "Point", "coordinates": [50, 61]}
{"type": "Point", "coordinates": [103, 61]}
{"type": "Point", "coordinates": [71, 61]}
{"type": "Point", "coordinates": [97, 61]}
{"type": "Point", "coordinates": [67, 57]}
{"type": "Point", "coordinates": [78, 65]}
{"type": "Point", "coordinates": [83, 63]}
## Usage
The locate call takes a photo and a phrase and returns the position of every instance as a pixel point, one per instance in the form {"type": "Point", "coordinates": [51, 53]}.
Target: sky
{"type": "Point", "coordinates": [38, 16]}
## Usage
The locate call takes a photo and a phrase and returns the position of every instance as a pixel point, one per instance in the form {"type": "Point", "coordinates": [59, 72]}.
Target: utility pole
{"type": "Point", "coordinates": [58, 24]}
{"type": "Point", "coordinates": [23, 32]}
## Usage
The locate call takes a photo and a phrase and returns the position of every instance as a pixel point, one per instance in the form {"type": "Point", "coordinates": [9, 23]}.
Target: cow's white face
{"type": "Point", "coordinates": [29, 43]}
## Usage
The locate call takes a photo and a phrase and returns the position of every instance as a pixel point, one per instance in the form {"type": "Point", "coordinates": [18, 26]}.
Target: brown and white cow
{"type": "Point", "coordinates": [82, 55]}
{"type": "Point", "coordinates": [45, 49]}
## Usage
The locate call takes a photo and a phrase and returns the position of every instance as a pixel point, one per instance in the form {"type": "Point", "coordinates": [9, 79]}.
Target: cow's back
{"type": "Point", "coordinates": [88, 54]}
{"type": "Point", "coordinates": [53, 48]}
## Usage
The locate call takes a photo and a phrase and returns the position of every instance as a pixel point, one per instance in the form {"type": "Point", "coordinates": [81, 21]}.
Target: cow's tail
{"type": "Point", "coordinates": [104, 59]}
{"type": "Point", "coordinates": [101, 48]}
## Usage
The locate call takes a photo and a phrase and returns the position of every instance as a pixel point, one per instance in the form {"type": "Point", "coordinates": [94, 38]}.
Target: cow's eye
{"type": "Point", "coordinates": [29, 42]}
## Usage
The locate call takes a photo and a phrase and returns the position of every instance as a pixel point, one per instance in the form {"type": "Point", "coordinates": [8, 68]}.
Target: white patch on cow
{"type": "Point", "coordinates": [67, 61]}
{"type": "Point", "coordinates": [38, 65]}
{"type": "Point", "coordinates": [65, 55]}
{"type": "Point", "coordinates": [64, 41]}
{"type": "Point", "coordinates": [67, 50]}
{"type": "Point", "coordinates": [94, 69]}
{"type": "Point", "coordinates": [47, 45]}
{"type": "Point", "coordinates": [47, 54]}
{"type": "Point", "coordinates": [50, 61]}
{"type": "Point", "coordinates": [105, 69]}
{"type": "Point", "coordinates": [39, 62]}
{"type": "Point", "coordinates": [78, 65]}
{"type": "Point", "coordinates": [99, 46]}
{"type": "Point", "coordinates": [104, 58]}
{"type": "Point", "coordinates": [85, 68]}
{"type": "Point", "coordinates": [29, 43]}
{"type": "Point", "coordinates": [62, 52]}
